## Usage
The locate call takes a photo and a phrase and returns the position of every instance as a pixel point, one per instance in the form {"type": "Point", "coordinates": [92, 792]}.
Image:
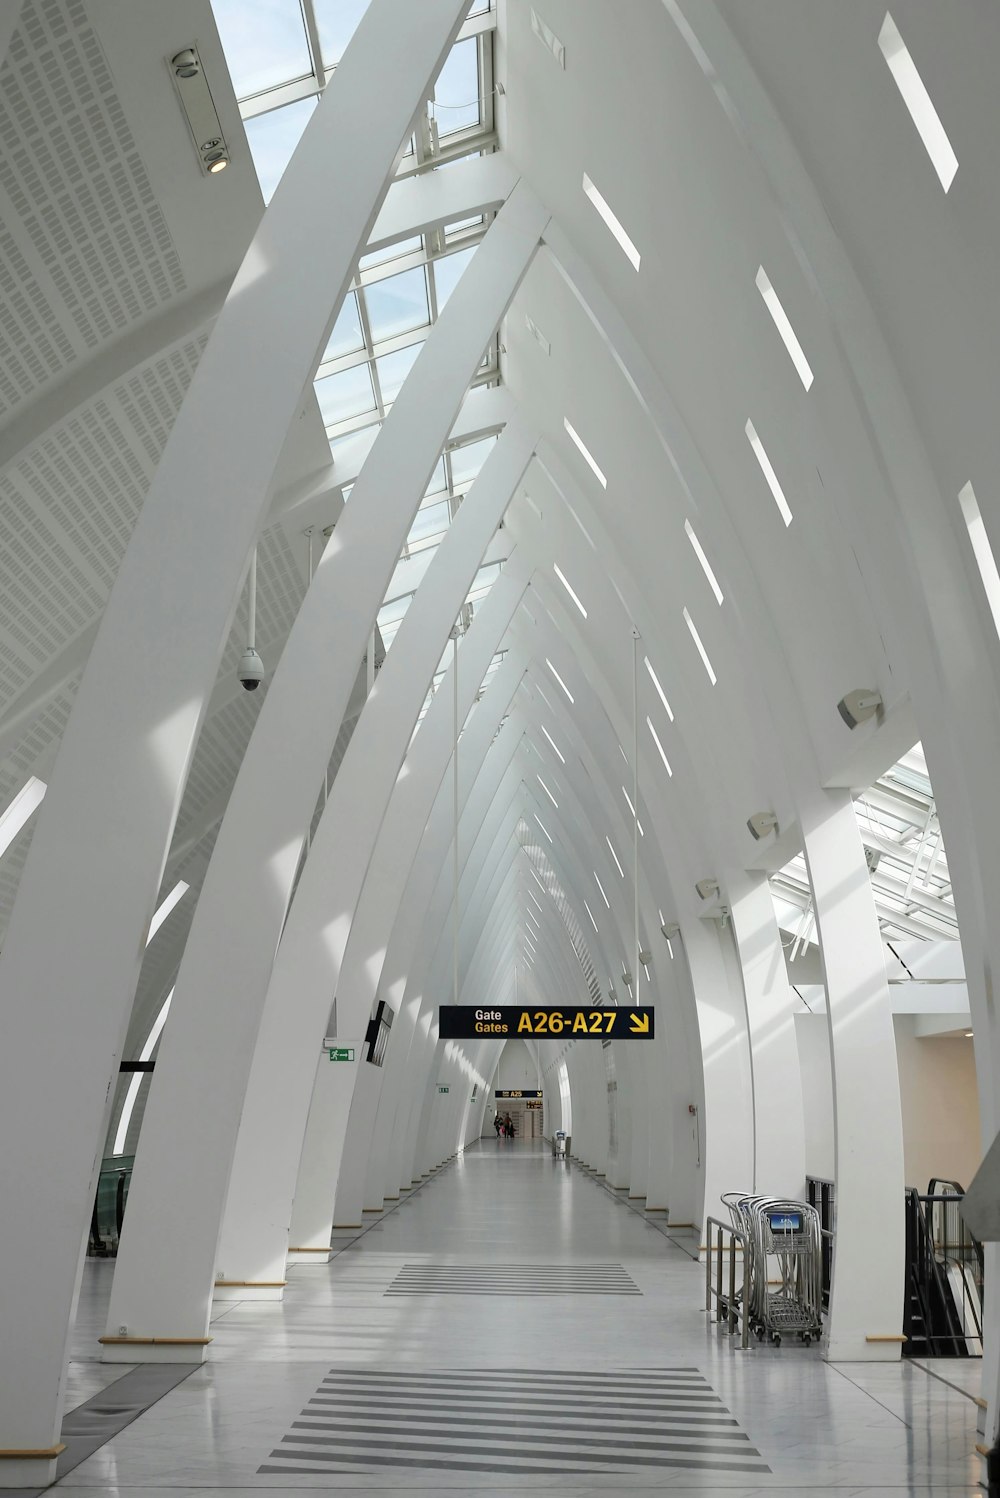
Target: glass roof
{"type": "Point", "coordinates": [898, 822]}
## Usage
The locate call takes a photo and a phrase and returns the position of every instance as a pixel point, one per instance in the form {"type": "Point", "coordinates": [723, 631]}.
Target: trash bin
{"type": "Point", "coordinates": [560, 1143]}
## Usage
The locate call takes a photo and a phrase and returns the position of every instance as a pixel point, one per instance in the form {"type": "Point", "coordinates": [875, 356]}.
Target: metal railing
{"type": "Point", "coordinates": [821, 1194]}
{"type": "Point", "coordinates": [731, 1302]}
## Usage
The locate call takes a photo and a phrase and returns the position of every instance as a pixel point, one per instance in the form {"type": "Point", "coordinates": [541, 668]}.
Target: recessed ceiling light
{"type": "Point", "coordinates": [218, 164]}
{"type": "Point", "coordinates": [631, 808]}
{"type": "Point", "coordinates": [656, 741]}
{"type": "Point", "coordinates": [767, 470]}
{"type": "Point", "coordinates": [918, 102]}
{"type": "Point", "coordinates": [591, 914]}
{"type": "Point", "coordinates": [696, 637]}
{"type": "Point", "coordinates": [659, 690]}
{"type": "Point", "coordinates": [600, 886]}
{"type": "Point", "coordinates": [612, 221]}
{"type": "Point", "coordinates": [784, 327]}
{"type": "Point", "coordinates": [699, 552]}
{"type": "Point", "coordinates": [614, 855]}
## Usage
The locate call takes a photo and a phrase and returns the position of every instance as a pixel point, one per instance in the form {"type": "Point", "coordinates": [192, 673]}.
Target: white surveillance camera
{"type": "Point", "coordinates": [761, 823]}
{"type": "Point", "coordinates": [857, 707]}
{"type": "Point", "coordinates": [251, 670]}
{"type": "Point", "coordinates": [707, 888]}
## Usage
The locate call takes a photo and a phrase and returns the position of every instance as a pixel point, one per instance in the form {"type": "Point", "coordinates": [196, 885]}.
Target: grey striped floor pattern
{"type": "Point", "coordinates": [513, 1279]}
{"type": "Point", "coordinates": [515, 1422]}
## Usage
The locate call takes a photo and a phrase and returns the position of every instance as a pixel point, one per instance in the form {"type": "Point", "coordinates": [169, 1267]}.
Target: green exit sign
{"type": "Point", "coordinates": [444, 1089]}
{"type": "Point", "coordinates": [341, 1053]}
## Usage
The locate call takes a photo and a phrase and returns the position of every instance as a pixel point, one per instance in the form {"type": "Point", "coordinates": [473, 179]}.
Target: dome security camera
{"type": "Point", "coordinates": [250, 673]}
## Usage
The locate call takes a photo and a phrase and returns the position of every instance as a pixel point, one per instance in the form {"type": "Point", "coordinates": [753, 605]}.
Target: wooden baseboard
{"type": "Point", "coordinates": [33, 1453]}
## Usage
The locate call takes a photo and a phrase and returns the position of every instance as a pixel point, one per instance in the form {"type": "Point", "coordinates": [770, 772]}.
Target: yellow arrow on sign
{"type": "Point", "coordinates": [640, 1024]}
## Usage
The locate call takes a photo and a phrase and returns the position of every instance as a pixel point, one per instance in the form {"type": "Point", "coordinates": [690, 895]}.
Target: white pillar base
{"type": "Point", "coordinates": [28, 1471]}
{"type": "Point", "coordinates": [857, 1349]}
{"type": "Point", "coordinates": [242, 1290]}
{"type": "Point", "coordinates": [308, 1256]}
{"type": "Point", "coordinates": [152, 1350]}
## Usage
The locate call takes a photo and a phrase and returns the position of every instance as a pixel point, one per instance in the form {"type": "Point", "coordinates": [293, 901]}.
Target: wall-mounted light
{"type": "Point", "coordinates": [857, 707]}
{"type": "Point", "coordinates": [199, 110]}
{"type": "Point", "coordinates": [707, 889]}
{"type": "Point", "coordinates": [761, 823]}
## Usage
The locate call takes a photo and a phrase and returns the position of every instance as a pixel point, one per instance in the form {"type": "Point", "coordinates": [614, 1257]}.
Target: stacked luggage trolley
{"type": "Point", "coordinates": [781, 1292]}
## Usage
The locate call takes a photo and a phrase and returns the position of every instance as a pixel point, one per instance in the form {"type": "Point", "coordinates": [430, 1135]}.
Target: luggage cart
{"type": "Point", "coordinates": [785, 1237]}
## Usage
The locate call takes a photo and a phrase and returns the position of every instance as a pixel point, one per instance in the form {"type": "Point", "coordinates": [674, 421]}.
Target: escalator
{"type": "Point", "coordinates": [944, 1288]}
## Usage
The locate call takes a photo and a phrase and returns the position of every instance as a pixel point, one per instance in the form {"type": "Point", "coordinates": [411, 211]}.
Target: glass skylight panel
{"type": "Point", "coordinates": [613, 222]}
{"type": "Point", "coordinates": [24, 804]}
{"type": "Point", "coordinates": [591, 914]}
{"type": "Point", "coordinates": [346, 337]}
{"type": "Point", "coordinates": [392, 370]}
{"type": "Point", "coordinates": [447, 271]}
{"type": "Point", "coordinates": [768, 472]}
{"type": "Point", "coordinates": [552, 741]}
{"type": "Point", "coordinates": [483, 582]}
{"type": "Point", "coordinates": [614, 855]}
{"type": "Point", "coordinates": [585, 452]}
{"type": "Point", "coordinates": [696, 637]}
{"type": "Point", "coordinates": [985, 560]}
{"type": "Point", "coordinates": [394, 251]}
{"type": "Point", "coordinates": [397, 305]}
{"type": "Point", "coordinates": [336, 21]}
{"type": "Point", "coordinates": [345, 395]}
{"type": "Point", "coordinates": [699, 552]}
{"type": "Point", "coordinates": [431, 521]}
{"type": "Point", "coordinates": [569, 589]}
{"type": "Point", "coordinates": [784, 327]}
{"type": "Point", "coordinates": [662, 751]}
{"type": "Point", "coordinates": [272, 139]}
{"type": "Point", "coordinates": [264, 42]}
{"type": "Point", "coordinates": [918, 102]}
{"type": "Point", "coordinates": [559, 679]}
{"type": "Point", "coordinates": [468, 460]}
{"type": "Point", "coordinates": [659, 690]}
{"type": "Point", "coordinates": [456, 91]}
{"type": "Point", "coordinates": [600, 886]}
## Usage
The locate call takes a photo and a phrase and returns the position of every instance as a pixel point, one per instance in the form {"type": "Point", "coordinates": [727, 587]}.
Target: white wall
{"type": "Point", "coordinates": [940, 1099]}
{"type": "Point", "coordinates": [813, 1041]}
{"type": "Point", "coordinates": [517, 1068]}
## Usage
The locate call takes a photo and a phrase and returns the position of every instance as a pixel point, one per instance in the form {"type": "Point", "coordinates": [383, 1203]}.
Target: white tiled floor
{"type": "Point", "coordinates": [860, 1429]}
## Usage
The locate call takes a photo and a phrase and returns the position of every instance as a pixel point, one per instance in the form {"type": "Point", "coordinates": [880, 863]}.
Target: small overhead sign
{"type": "Point", "coordinates": [516, 1094]}
{"type": "Point", "coordinates": [341, 1053]}
{"type": "Point", "coordinates": [465, 1022]}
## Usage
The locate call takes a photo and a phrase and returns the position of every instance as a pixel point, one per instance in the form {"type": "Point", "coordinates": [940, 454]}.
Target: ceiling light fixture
{"type": "Point", "coordinates": [857, 707]}
{"type": "Point", "coordinates": [761, 823]}
{"type": "Point", "coordinates": [707, 889]}
{"type": "Point", "coordinates": [918, 101]}
{"type": "Point", "coordinates": [199, 110]}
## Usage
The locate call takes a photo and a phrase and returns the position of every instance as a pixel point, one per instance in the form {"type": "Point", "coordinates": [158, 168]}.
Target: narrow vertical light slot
{"type": "Point", "coordinates": [559, 679]}
{"type": "Point", "coordinates": [706, 567]}
{"type": "Point", "coordinates": [918, 102]}
{"type": "Point", "coordinates": [178, 892]}
{"type": "Point", "coordinates": [27, 800]}
{"type": "Point", "coordinates": [591, 914]}
{"type": "Point", "coordinates": [696, 637]}
{"type": "Point", "coordinates": [768, 472]}
{"type": "Point", "coordinates": [545, 788]}
{"type": "Point", "coordinates": [585, 452]}
{"type": "Point", "coordinates": [985, 559]}
{"type": "Point", "coordinates": [631, 808]}
{"type": "Point", "coordinates": [534, 928]}
{"type": "Point", "coordinates": [612, 221]}
{"type": "Point", "coordinates": [659, 690]}
{"type": "Point", "coordinates": [562, 578]}
{"type": "Point", "coordinates": [621, 751]}
{"type": "Point", "coordinates": [666, 938]}
{"type": "Point", "coordinates": [787, 333]}
{"type": "Point", "coordinates": [541, 886]}
{"type": "Point", "coordinates": [536, 902]}
{"type": "Point", "coordinates": [600, 886]}
{"type": "Point", "coordinates": [645, 968]}
{"type": "Point", "coordinates": [542, 825]}
{"type": "Point", "coordinates": [656, 741]}
{"type": "Point", "coordinates": [121, 1134]}
{"type": "Point", "coordinates": [530, 946]}
{"type": "Point", "coordinates": [555, 747]}
{"type": "Point", "coordinates": [614, 855]}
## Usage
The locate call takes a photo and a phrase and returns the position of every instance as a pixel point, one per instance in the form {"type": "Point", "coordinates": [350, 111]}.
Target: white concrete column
{"type": "Point", "coordinates": [308, 968]}
{"type": "Point", "coordinates": [102, 836]}
{"type": "Point", "coordinates": [780, 1141]}
{"type": "Point", "coordinates": [207, 1047]}
{"type": "Point", "coordinates": [866, 1299]}
{"type": "Point", "coordinates": [333, 1090]}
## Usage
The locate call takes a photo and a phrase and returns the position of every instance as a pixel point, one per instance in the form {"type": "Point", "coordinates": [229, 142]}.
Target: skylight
{"type": "Point", "coordinates": [631, 808]}
{"type": "Point", "coordinates": [128, 1107]}
{"type": "Point", "coordinates": [600, 886]}
{"type": "Point", "coordinates": [918, 102]}
{"type": "Point", "coordinates": [552, 741]}
{"type": "Point", "coordinates": [545, 788]}
{"type": "Point", "coordinates": [784, 327]}
{"type": "Point", "coordinates": [542, 825]}
{"type": "Point", "coordinates": [696, 637]}
{"type": "Point", "coordinates": [613, 222]}
{"type": "Point", "coordinates": [559, 679]}
{"type": "Point", "coordinates": [656, 741]}
{"type": "Point", "coordinates": [614, 855]}
{"type": "Point", "coordinates": [562, 578]}
{"type": "Point", "coordinates": [703, 559]}
{"type": "Point", "coordinates": [659, 690]}
{"type": "Point", "coordinates": [768, 472]}
{"type": "Point", "coordinates": [985, 559]}
{"type": "Point", "coordinates": [591, 914]}
{"type": "Point", "coordinates": [585, 452]}
{"type": "Point", "coordinates": [178, 892]}
{"type": "Point", "coordinates": [27, 800]}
